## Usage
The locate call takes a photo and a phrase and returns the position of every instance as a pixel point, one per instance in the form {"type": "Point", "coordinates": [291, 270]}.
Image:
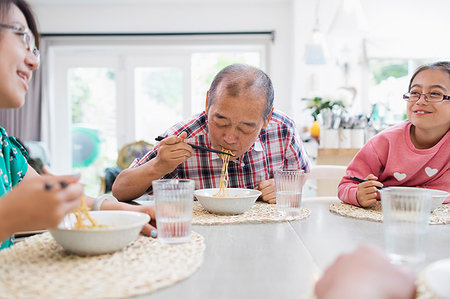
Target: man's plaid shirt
{"type": "Point", "coordinates": [277, 146]}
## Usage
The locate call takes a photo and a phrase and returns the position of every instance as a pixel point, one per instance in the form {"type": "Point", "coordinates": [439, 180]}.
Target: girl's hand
{"type": "Point", "coordinates": [367, 191]}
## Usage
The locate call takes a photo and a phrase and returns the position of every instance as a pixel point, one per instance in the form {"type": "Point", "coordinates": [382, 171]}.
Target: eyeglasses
{"type": "Point", "coordinates": [433, 97]}
{"type": "Point", "coordinates": [28, 38]}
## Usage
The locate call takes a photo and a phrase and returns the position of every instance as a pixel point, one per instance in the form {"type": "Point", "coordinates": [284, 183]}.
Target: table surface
{"type": "Point", "coordinates": [282, 260]}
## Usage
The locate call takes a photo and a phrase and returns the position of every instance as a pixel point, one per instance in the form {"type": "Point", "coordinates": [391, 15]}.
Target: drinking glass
{"type": "Point", "coordinates": [406, 213]}
{"type": "Point", "coordinates": [288, 185]}
{"type": "Point", "coordinates": [173, 205]}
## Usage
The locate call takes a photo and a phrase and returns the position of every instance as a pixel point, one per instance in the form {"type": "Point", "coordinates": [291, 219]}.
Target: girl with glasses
{"type": "Point", "coordinates": [29, 201]}
{"type": "Point", "coordinates": [414, 153]}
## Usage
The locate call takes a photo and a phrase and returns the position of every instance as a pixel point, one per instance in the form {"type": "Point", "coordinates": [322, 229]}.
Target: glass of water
{"type": "Point", "coordinates": [288, 185]}
{"type": "Point", "coordinates": [173, 205]}
{"type": "Point", "coordinates": [406, 212]}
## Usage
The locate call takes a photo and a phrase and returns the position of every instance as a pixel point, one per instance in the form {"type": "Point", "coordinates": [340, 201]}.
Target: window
{"type": "Point", "coordinates": [125, 94]}
{"type": "Point", "coordinates": [389, 80]}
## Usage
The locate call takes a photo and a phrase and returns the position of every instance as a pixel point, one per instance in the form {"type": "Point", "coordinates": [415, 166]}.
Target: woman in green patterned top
{"type": "Point", "coordinates": [30, 205]}
{"type": "Point", "coordinates": [29, 201]}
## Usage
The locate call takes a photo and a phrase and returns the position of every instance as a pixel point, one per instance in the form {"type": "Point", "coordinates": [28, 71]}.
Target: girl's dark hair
{"type": "Point", "coordinates": [24, 7]}
{"type": "Point", "coordinates": [440, 65]}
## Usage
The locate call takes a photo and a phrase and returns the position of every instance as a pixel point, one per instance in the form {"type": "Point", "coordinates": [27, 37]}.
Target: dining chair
{"type": "Point", "coordinates": [327, 178]}
{"type": "Point", "coordinates": [127, 154]}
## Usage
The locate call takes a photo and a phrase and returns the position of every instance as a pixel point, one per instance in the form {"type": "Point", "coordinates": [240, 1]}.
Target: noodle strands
{"type": "Point", "coordinates": [224, 175]}
{"type": "Point", "coordinates": [81, 214]}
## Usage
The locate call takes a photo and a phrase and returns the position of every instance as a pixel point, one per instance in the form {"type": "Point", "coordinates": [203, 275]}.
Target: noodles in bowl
{"type": "Point", "coordinates": [238, 201]}
{"type": "Point", "coordinates": [117, 230]}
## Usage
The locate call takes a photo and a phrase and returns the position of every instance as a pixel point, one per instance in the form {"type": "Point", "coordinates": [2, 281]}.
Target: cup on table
{"type": "Point", "coordinates": [406, 214]}
{"type": "Point", "coordinates": [173, 205]}
{"type": "Point", "coordinates": [288, 186]}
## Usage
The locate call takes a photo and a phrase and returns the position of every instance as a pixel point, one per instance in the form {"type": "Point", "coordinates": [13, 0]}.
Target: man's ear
{"type": "Point", "coordinates": [207, 102]}
{"type": "Point", "coordinates": [266, 122]}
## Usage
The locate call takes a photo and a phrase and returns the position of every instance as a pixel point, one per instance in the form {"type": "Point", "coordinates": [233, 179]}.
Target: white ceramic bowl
{"type": "Point", "coordinates": [239, 201]}
{"type": "Point", "coordinates": [124, 228]}
{"type": "Point", "coordinates": [437, 196]}
{"type": "Point", "coordinates": [437, 278]}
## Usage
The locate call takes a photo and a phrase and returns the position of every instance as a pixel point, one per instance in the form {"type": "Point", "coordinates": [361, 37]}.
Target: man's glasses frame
{"type": "Point", "coordinates": [28, 38]}
{"type": "Point", "coordinates": [407, 97]}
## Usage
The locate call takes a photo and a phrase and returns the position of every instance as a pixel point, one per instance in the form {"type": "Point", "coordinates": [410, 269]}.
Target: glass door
{"type": "Point", "coordinates": [161, 93]}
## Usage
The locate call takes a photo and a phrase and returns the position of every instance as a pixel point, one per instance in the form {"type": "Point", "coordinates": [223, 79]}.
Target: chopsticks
{"type": "Point", "coordinates": [359, 180]}
{"type": "Point", "coordinates": [202, 148]}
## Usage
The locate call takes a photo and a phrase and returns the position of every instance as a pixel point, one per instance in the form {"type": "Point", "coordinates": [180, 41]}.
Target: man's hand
{"type": "Point", "coordinates": [365, 273]}
{"type": "Point", "coordinates": [267, 189]}
{"type": "Point", "coordinates": [172, 151]}
{"type": "Point", "coordinates": [367, 191]}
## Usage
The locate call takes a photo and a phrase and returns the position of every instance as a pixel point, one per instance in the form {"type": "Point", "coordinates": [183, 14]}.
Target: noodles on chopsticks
{"type": "Point", "coordinates": [81, 214]}
{"type": "Point", "coordinates": [224, 175]}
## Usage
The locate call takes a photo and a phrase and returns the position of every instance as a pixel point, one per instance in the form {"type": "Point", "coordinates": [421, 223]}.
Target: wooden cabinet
{"type": "Point", "coordinates": [332, 156]}
{"type": "Point", "coordinates": [335, 156]}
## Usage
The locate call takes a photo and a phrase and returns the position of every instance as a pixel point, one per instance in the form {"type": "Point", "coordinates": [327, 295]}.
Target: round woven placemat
{"type": "Point", "coordinates": [259, 213]}
{"type": "Point", "coordinates": [441, 215]}
{"type": "Point", "coordinates": [422, 290]}
{"type": "Point", "coordinates": [38, 267]}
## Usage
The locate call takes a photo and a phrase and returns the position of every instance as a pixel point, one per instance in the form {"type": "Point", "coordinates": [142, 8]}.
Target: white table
{"type": "Point", "coordinates": [282, 260]}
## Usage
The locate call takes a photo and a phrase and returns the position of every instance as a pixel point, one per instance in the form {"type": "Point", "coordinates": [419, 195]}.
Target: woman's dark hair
{"type": "Point", "coordinates": [24, 7]}
{"type": "Point", "coordinates": [440, 65]}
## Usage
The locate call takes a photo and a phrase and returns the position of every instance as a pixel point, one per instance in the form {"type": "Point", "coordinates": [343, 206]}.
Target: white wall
{"type": "Point", "coordinates": [183, 17]}
{"type": "Point", "coordinates": [395, 29]}
{"type": "Point", "coordinates": [392, 25]}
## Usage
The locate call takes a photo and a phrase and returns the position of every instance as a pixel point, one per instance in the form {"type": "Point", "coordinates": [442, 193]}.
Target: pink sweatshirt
{"type": "Point", "coordinates": [392, 157]}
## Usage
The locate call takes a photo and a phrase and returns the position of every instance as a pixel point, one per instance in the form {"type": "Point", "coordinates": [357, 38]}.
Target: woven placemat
{"type": "Point", "coordinates": [259, 213]}
{"type": "Point", "coordinates": [441, 215]}
{"type": "Point", "coordinates": [38, 267]}
{"type": "Point", "coordinates": [422, 290]}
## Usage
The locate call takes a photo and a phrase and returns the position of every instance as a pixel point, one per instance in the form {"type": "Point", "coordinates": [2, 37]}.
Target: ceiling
{"type": "Point", "coordinates": [84, 2]}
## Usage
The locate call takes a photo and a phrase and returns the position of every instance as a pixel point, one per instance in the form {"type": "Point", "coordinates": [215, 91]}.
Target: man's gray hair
{"type": "Point", "coordinates": [240, 77]}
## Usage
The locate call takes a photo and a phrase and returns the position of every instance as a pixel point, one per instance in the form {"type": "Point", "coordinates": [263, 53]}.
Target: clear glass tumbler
{"type": "Point", "coordinates": [289, 184]}
{"type": "Point", "coordinates": [173, 204]}
{"type": "Point", "coordinates": [406, 213]}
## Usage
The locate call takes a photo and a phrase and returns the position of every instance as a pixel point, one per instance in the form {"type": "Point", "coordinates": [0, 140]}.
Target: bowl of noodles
{"type": "Point", "coordinates": [112, 231]}
{"type": "Point", "coordinates": [235, 201]}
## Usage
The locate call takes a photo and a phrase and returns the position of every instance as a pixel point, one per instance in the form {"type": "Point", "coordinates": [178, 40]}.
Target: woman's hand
{"type": "Point", "coordinates": [149, 229]}
{"type": "Point", "coordinates": [39, 202]}
{"type": "Point", "coordinates": [365, 273]}
{"type": "Point", "coordinates": [367, 192]}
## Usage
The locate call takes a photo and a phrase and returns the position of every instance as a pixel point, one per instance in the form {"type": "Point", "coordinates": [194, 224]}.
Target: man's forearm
{"type": "Point", "coordinates": [133, 182]}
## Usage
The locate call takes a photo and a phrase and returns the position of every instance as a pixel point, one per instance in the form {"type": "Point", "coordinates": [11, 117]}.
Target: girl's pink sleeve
{"type": "Point", "coordinates": [364, 163]}
{"type": "Point", "coordinates": [441, 184]}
